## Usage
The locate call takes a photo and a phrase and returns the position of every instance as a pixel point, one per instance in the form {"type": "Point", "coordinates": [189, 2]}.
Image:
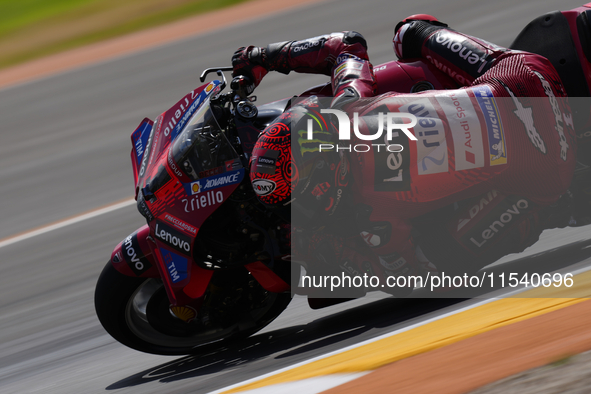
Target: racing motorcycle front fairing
{"type": "Point", "coordinates": [185, 168]}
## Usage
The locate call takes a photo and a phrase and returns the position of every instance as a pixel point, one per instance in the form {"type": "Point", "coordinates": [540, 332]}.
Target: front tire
{"type": "Point", "coordinates": [135, 311]}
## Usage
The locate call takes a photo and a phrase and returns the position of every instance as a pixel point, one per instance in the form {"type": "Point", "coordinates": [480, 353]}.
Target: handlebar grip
{"type": "Point", "coordinates": [242, 85]}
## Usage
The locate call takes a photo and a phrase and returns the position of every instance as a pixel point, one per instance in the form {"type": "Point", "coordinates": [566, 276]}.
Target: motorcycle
{"type": "Point", "coordinates": [212, 263]}
{"type": "Point", "coordinates": [208, 264]}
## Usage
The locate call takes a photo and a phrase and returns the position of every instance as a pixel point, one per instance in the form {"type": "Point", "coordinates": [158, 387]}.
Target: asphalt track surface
{"type": "Point", "coordinates": [65, 150]}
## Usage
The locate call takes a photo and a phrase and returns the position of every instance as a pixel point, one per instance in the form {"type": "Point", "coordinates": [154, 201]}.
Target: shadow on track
{"type": "Point", "coordinates": [222, 365]}
{"type": "Point", "coordinates": [284, 347]}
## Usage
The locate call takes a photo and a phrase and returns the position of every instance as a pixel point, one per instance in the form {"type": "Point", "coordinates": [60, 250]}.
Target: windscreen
{"type": "Point", "coordinates": [202, 149]}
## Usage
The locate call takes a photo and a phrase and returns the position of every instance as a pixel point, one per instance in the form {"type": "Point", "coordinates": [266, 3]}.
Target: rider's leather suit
{"type": "Point", "coordinates": [492, 157]}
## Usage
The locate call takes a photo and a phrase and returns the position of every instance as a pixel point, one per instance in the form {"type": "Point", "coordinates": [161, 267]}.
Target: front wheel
{"type": "Point", "coordinates": [135, 311]}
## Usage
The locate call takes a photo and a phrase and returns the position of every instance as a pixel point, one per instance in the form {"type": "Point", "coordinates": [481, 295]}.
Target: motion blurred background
{"type": "Point", "coordinates": [31, 29]}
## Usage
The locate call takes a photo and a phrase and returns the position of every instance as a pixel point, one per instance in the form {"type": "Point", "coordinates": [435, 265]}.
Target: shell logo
{"type": "Point", "coordinates": [185, 313]}
{"type": "Point", "coordinates": [195, 187]}
{"type": "Point", "coordinates": [209, 87]}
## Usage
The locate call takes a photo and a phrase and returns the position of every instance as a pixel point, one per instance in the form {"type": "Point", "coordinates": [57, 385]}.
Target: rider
{"type": "Point", "coordinates": [497, 189]}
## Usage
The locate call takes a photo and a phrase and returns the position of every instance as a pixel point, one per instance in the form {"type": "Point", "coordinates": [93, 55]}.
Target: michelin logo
{"type": "Point", "coordinates": [494, 127]}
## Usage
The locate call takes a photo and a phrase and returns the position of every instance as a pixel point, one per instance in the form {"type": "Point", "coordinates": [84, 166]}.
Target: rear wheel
{"type": "Point", "coordinates": [135, 311]}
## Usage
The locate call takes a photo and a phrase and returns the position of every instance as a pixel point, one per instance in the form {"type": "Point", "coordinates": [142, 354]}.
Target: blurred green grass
{"type": "Point", "coordinates": [31, 29]}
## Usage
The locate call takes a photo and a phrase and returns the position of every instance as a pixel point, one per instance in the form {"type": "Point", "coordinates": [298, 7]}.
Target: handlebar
{"type": "Point", "coordinates": [214, 69]}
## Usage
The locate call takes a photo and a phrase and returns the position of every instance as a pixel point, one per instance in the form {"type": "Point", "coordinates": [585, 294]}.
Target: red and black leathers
{"type": "Point", "coordinates": [497, 149]}
{"type": "Point", "coordinates": [530, 161]}
{"type": "Point", "coordinates": [343, 56]}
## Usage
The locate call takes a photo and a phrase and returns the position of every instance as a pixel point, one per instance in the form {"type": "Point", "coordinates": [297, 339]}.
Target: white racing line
{"type": "Point", "coordinates": [350, 347]}
{"type": "Point", "coordinates": [319, 384]}
{"type": "Point", "coordinates": [76, 219]}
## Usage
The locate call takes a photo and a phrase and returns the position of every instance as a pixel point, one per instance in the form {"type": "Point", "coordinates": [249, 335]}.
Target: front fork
{"type": "Point", "coordinates": [138, 255]}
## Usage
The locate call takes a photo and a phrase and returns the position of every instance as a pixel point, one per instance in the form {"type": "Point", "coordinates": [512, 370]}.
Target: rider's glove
{"type": "Point", "coordinates": [250, 62]}
{"type": "Point", "coordinates": [419, 17]}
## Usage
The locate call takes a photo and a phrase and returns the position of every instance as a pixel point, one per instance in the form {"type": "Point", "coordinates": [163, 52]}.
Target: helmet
{"type": "Point", "coordinates": [293, 175]}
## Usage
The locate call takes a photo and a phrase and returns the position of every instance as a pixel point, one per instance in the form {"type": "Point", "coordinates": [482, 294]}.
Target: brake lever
{"type": "Point", "coordinates": [214, 69]}
{"type": "Point", "coordinates": [223, 77]}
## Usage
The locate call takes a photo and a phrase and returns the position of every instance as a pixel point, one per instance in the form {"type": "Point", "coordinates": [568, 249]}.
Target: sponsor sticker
{"type": "Point", "coordinates": [144, 210]}
{"type": "Point", "coordinates": [391, 169]}
{"type": "Point", "coordinates": [181, 225]}
{"type": "Point", "coordinates": [478, 207]}
{"type": "Point", "coordinates": [148, 146]}
{"type": "Point", "coordinates": [263, 187]}
{"type": "Point", "coordinates": [451, 45]}
{"type": "Point", "coordinates": [212, 172]}
{"type": "Point", "coordinates": [203, 200]}
{"type": "Point", "coordinates": [173, 165]}
{"type": "Point", "coordinates": [131, 253]}
{"type": "Point", "coordinates": [303, 47]}
{"type": "Point", "coordinates": [500, 219]}
{"type": "Point", "coordinates": [140, 140]}
{"type": "Point", "coordinates": [195, 188]}
{"type": "Point", "coordinates": [175, 265]}
{"type": "Point", "coordinates": [224, 179]}
{"type": "Point", "coordinates": [430, 134]}
{"type": "Point", "coordinates": [494, 126]}
{"type": "Point", "coordinates": [465, 129]}
{"type": "Point", "coordinates": [117, 258]}
{"type": "Point", "coordinates": [185, 110]}
{"type": "Point", "coordinates": [348, 65]}
{"type": "Point", "coordinates": [173, 238]}
{"type": "Point", "coordinates": [345, 56]}
{"type": "Point", "coordinates": [233, 164]}
{"type": "Point", "coordinates": [266, 161]}
{"type": "Point", "coordinates": [184, 312]}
